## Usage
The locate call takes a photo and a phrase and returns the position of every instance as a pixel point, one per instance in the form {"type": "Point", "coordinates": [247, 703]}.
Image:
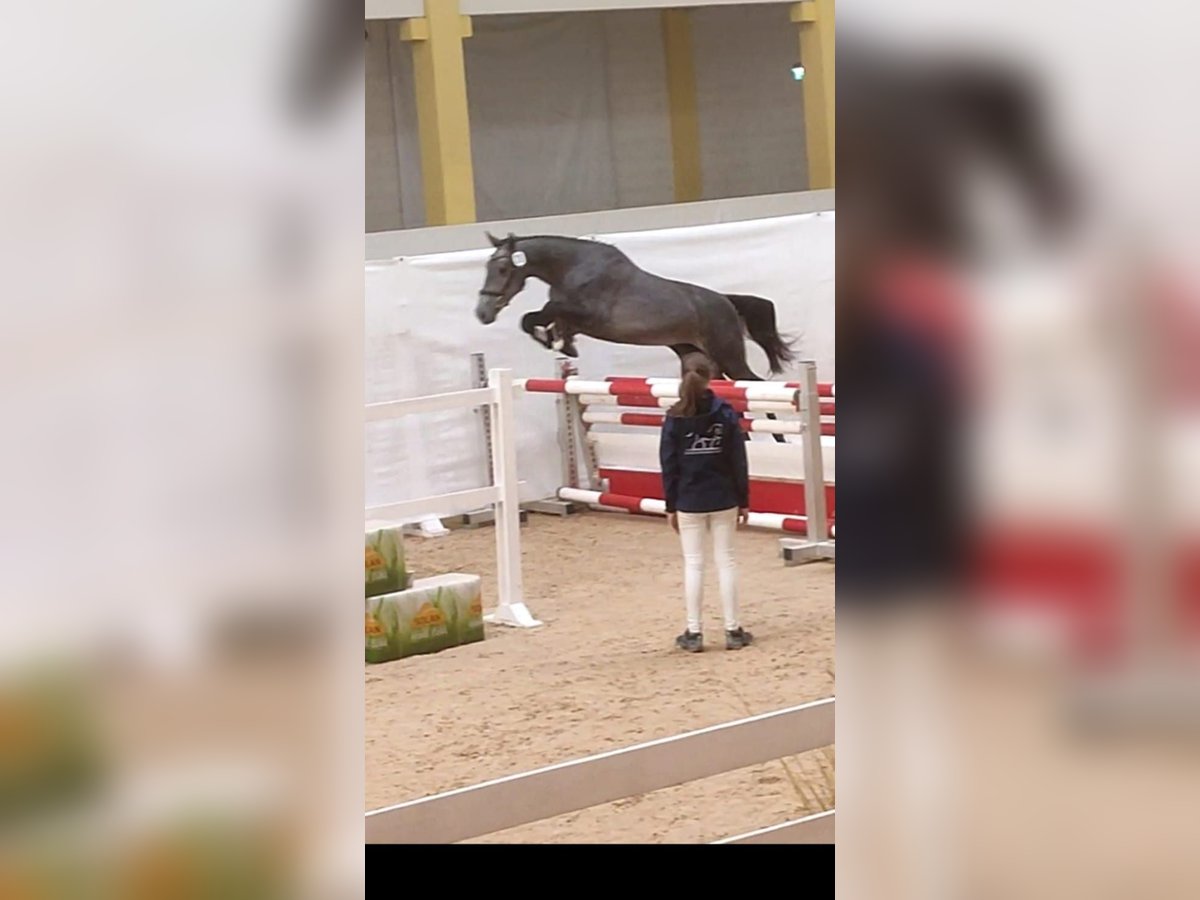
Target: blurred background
{"type": "Point", "coordinates": [1018, 325]}
{"type": "Point", "coordinates": [181, 465]}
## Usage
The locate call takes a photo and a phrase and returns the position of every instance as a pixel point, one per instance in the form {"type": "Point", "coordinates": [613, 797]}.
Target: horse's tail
{"type": "Point", "coordinates": [758, 317]}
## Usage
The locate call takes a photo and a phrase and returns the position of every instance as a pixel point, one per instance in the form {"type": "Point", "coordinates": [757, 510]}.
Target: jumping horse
{"type": "Point", "coordinates": [597, 291]}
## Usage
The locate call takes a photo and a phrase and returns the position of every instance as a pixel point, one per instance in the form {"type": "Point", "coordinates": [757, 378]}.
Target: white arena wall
{"type": "Point", "coordinates": [421, 332]}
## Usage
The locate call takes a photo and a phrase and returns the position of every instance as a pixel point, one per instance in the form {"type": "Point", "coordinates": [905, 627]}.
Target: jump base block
{"type": "Point", "coordinates": [480, 517]}
{"type": "Point", "coordinates": [797, 553]}
{"type": "Point", "coordinates": [552, 506]}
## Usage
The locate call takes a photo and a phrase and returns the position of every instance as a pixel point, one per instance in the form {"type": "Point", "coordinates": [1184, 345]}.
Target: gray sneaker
{"type": "Point", "coordinates": [737, 639]}
{"type": "Point", "coordinates": [691, 641]}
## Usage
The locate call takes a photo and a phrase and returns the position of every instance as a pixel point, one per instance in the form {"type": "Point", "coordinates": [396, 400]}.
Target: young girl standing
{"type": "Point", "coordinates": [702, 451]}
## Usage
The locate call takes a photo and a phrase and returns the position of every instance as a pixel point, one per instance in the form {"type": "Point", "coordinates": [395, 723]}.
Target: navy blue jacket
{"type": "Point", "coordinates": [703, 460]}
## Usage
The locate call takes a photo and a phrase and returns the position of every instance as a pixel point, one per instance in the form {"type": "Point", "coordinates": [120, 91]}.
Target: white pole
{"type": "Point", "coordinates": [511, 609]}
{"type": "Point", "coordinates": [479, 379]}
{"type": "Point", "coordinates": [565, 408]}
{"type": "Point", "coordinates": [817, 544]}
{"type": "Point", "coordinates": [814, 464]}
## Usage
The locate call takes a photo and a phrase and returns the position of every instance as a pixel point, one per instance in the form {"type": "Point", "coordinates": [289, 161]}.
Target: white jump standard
{"type": "Point", "coordinates": [497, 397]}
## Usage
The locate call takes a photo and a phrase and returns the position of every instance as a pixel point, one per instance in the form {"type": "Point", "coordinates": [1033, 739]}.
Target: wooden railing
{"type": "Point", "coordinates": [567, 787]}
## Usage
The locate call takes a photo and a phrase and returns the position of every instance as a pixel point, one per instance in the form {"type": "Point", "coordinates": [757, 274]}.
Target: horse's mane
{"type": "Point", "coordinates": [560, 237]}
{"type": "Point", "coordinates": [591, 242]}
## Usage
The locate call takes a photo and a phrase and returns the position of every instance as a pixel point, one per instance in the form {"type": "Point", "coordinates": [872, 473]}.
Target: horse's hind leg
{"type": "Point", "coordinates": [726, 347]}
{"type": "Point", "coordinates": [692, 357]}
{"type": "Point", "coordinates": [734, 366]}
{"type": "Point", "coordinates": [741, 373]}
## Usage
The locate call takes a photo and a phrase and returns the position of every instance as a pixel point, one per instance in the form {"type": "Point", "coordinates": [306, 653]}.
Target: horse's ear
{"type": "Point", "coordinates": [496, 242]}
{"type": "Point", "coordinates": [511, 240]}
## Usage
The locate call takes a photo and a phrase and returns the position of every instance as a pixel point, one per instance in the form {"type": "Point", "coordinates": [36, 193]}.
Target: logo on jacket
{"type": "Point", "coordinates": [708, 442]}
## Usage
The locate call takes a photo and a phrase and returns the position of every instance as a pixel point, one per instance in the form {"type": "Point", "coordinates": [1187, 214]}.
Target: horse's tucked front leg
{"type": "Point", "coordinates": [536, 327]}
{"type": "Point", "coordinates": [562, 339]}
{"type": "Point", "coordinates": [543, 328]}
{"type": "Point", "coordinates": [549, 331]}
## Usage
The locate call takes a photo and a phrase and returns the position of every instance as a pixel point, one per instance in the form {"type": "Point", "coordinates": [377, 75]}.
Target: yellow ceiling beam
{"type": "Point", "coordinates": [816, 21]}
{"type": "Point", "coordinates": [681, 104]}
{"type": "Point", "coordinates": [442, 114]}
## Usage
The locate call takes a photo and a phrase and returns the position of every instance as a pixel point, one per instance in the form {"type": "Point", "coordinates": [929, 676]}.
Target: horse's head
{"type": "Point", "coordinates": [506, 274]}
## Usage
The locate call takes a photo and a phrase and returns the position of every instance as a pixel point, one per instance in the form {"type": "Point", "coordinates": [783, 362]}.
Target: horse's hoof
{"type": "Point", "coordinates": [571, 352]}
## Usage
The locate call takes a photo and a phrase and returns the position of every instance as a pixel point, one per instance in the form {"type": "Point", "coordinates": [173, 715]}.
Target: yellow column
{"type": "Point", "coordinates": [681, 103]}
{"type": "Point", "coordinates": [442, 119]}
{"type": "Point", "coordinates": [816, 21]}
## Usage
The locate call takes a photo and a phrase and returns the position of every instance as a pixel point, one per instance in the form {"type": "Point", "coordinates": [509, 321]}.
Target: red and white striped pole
{"type": "Point", "coordinates": [650, 506]}
{"type": "Point", "coordinates": [824, 388]}
{"type": "Point", "coordinates": [655, 420]}
{"type": "Point", "coordinates": [754, 391]}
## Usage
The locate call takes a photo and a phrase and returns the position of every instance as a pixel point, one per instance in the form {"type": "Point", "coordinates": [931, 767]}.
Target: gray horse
{"type": "Point", "coordinates": [597, 291]}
